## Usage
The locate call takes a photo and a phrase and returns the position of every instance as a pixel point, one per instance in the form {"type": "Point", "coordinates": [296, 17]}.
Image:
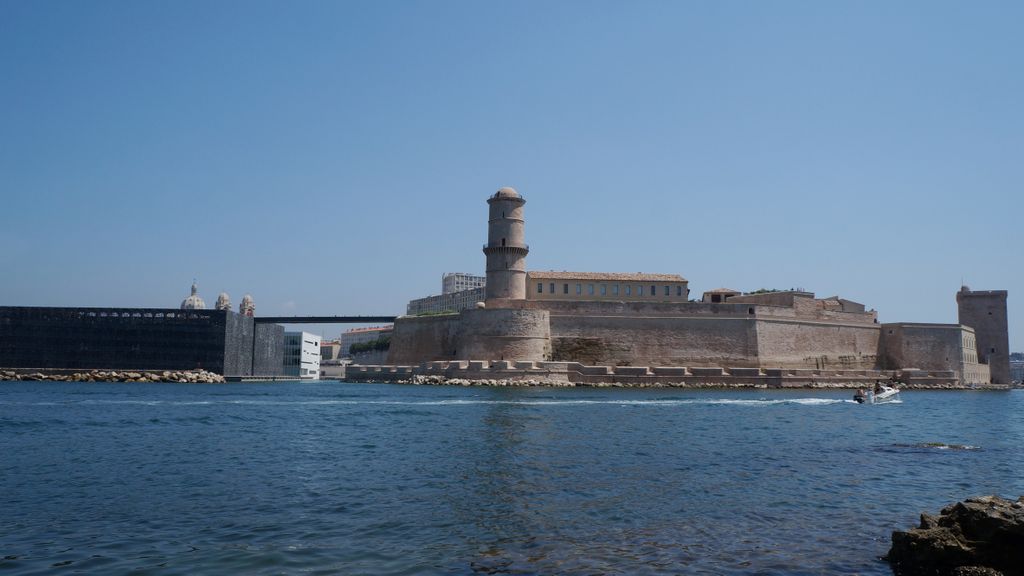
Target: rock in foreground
{"type": "Point", "coordinates": [979, 536]}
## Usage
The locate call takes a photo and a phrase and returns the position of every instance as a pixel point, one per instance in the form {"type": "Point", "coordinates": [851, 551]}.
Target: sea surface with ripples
{"type": "Point", "coordinates": [331, 478]}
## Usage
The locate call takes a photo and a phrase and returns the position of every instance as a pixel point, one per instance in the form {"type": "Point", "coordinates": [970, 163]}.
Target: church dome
{"type": "Point", "coordinates": [507, 192]}
{"type": "Point", "coordinates": [247, 307]}
{"type": "Point", "coordinates": [193, 302]}
{"type": "Point", "coordinates": [223, 302]}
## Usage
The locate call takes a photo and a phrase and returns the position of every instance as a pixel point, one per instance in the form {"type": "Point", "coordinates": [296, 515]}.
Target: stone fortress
{"type": "Point", "coordinates": [644, 329]}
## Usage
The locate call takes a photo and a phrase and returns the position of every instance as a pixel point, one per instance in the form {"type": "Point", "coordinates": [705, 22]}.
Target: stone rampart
{"type": "Point", "coordinates": [654, 340]}
{"type": "Point", "coordinates": [745, 334]}
{"type": "Point", "coordinates": [933, 347]}
{"type": "Point", "coordinates": [816, 344]}
{"type": "Point", "coordinates": [504, 334]}
{"type": "Point", "coordinates": [491, 333]}
{"type": "Point", "coordinates": [573, 373]}
{"type": "Point", "coordinates": [417, 339]}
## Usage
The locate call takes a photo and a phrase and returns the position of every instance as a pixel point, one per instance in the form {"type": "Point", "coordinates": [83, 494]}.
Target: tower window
{"type": "Point", "coordinates": [629, 289]}
{"type": "Point", "coordinates": [615, 289]}
{"type": "Point", "coordinates": [565, 288]}
{"type": "Point", "coordinates": [590, 289]}
{"type": "Point", "coordinates": [604, 289]}
{"type": "Point", "coordinates": [502, 241]}
{"type": "Point", "coordinates": [667, 288]}
{"type": "Point", "coordinates": [579, 289]}
{"type": "Point", "coordinates": [654, 290]}
{"type": "Point", "coordinates": [551, 288]}
{"type": "Point", "coordinates": [679, 290]}
{"type": "Point", "coordinates": [540, 287]}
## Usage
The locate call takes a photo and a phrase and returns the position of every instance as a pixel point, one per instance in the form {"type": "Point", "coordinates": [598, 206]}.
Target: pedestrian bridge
{"type": "Point", "coordinates": [323, 319]}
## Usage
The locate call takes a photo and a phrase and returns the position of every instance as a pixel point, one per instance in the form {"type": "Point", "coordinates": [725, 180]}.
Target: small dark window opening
{"type": "Point", "coordinates": [502, 241]}
{"type": "Point", "coordinates": [551, 288]}
{"type": "Point", "coordinates": [654, 290]}
{"type": "Point", "coordinates": [715, 298]}
{"type": "Point", "coordinates": [540, 287]}
{"type": "Point", "coordinates": [565, 288]}
{"type": "Point", "coordinates": [993, 350]}
{"type": "Point", "coordinates": [750, 310]}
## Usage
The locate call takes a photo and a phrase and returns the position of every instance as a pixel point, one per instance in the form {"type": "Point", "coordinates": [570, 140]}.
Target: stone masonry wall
{"type": "Point", "coordinates": [929, 347]}
{"type": "Point", "coordinates": [504, 334]}
{"type": "Point", "coordinates": [816, 345]}
{"type": "Point", "coordinates": [424, 338]}
{"type": "Point", "coordinates": [654, 341]}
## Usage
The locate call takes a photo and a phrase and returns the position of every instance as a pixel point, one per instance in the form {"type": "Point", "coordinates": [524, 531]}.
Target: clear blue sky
{"type": "Point", "coordinates": [334, 157]}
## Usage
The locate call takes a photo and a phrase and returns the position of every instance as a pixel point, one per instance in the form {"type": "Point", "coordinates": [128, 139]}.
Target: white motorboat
{"type": "Point", "coordinates": [880, 395]}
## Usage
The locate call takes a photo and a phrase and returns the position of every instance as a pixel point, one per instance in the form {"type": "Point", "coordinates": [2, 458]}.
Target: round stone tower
{"type": "Point", "coordinates": [506, 248]}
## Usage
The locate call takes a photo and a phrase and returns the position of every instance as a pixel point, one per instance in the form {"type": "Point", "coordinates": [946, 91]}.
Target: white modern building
{"type": "Point", "coordinates": [459, 291]}
{"type": "Point", "coordinates": [302, 355]}
{"type": "Point", "coordinates": [459, 281]}
{"type": "Point", "coordinates": [446, 303]}
{"type": "Point", "coordinates": [1017, 371]}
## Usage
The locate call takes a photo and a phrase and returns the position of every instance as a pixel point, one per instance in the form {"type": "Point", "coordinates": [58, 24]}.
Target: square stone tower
{"type": "Point", "coordinates": [985, 311]}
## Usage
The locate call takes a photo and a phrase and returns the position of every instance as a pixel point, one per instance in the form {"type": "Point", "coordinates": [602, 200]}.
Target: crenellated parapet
{"type": "Point", "coordinates": [524, 372]}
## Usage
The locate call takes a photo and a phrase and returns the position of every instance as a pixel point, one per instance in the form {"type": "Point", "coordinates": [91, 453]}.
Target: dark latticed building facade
{"type": "Point", "coordinates": [219, 341]}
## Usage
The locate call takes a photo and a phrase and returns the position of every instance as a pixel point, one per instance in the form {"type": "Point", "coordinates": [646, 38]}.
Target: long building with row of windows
{"type": "Point", "coordinates": [552, 285]}
{"type": "Point", "coordinates": [445, 303]}
{"type": "Point", "coordinates": [574, 286]}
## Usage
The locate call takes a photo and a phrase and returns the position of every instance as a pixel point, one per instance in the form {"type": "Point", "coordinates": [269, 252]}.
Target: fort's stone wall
{"type": "Point", "coordinates": [418, 339]}
{"type": "Point", "coordinates": [648, 333]}
{"type": "Point", "coordinates": [815, 344]}
{"type": "Point", "coordinates": [504, 334]}
{"type": "Point", "coordinates": [484, 333]}
{"type": "Point", "coordinates": [827, 336]}
{"type": "Point", "coordinates": [742, 334]}
{"type": "Point", "coordinates": [932, 347]}
{"type": "Point", "coordinates": [653, 340]}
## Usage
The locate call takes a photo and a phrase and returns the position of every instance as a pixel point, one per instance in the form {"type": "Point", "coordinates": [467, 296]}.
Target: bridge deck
{"type": "Point", "coordinates": [324, 319]}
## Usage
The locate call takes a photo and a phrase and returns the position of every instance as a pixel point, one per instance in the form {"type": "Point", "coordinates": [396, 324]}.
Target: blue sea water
{"type": "Point", "coordinates": [330, 478]}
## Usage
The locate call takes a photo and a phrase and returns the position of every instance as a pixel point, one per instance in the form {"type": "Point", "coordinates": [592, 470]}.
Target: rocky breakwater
{"type": "Point", "coordinates": [435, 380]}
{"type": "Point", "coordinates": [977, 537]}
{"type": "Point", "coordinates": [439, 380]}
{"type": "Point", "coordinates": [180, 376]}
